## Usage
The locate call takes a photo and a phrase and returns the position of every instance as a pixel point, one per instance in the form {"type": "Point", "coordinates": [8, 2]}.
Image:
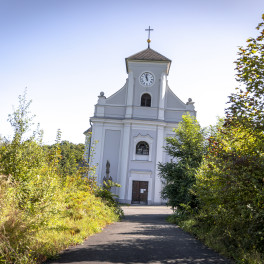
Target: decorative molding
{"type": "Point", "coordinates": [146, 172]}
{"type": "Point", "coordinates": [147, 138]}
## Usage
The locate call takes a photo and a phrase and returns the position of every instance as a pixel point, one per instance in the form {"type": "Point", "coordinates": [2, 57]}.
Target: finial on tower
{"type": "Point", "coordinates": [149, 40]}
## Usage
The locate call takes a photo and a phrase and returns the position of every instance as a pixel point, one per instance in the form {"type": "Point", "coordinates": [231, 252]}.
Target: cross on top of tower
{"type": "Point", "coordinates": [149, 29]}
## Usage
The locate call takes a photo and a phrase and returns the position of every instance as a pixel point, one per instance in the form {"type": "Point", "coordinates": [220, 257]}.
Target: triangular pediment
{"type": "Point", "coordinates": [173, 101]}
{"type": "Point", "coordinates": [119, 97]}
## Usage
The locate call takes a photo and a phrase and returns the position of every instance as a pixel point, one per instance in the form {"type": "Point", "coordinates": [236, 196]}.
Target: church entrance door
{"type": "Point", "coordinates": [140, 192]}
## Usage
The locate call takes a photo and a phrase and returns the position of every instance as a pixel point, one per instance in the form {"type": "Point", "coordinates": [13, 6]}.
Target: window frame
{"type": "Point", "coordinates": [147, 101]}
{"type": "Point", "coordinates": [140, 150]}
{"type": "Point", "coordinates": [145, 138]}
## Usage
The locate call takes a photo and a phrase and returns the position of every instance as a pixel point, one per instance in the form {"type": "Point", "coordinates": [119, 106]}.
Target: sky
{"type": "Point", "coordinates": [65, 52]}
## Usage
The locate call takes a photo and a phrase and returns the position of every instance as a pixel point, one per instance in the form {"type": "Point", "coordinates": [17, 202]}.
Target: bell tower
{"type": "Point", "coordinates": [147, 74]}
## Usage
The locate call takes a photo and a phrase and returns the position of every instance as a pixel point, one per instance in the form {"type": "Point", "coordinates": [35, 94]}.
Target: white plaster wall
{"type": "Point", "coordinates": [174, 115]}
{"type": "Point", "coordinates": [172, 101]}
{"type": "Point", "coordinates": [114, 111]}
{"type": "Point", "coordinates": [155, 68]}
{"type": "Point", "coordinates": [111, 152]}
{"type": "Point", "coordinates": [118, 98]}
{"type": "Point", "coordinates": [145, 112]}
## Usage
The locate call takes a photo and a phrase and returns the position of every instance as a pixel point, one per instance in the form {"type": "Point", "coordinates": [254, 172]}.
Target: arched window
{"type": "Point", "coordinates": [146, 100]}
{"type": "Point", "coordinates": [142, 148]}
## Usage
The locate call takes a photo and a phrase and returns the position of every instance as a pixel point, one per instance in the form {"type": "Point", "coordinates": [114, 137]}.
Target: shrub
{"type": "Point", "coordinates": [42, 211]}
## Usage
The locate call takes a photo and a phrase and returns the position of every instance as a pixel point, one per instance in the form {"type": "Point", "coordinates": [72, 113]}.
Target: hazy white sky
{"type": "Point", "coordinates": [67, 51]}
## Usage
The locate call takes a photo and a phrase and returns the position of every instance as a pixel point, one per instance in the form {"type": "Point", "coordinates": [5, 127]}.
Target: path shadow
{"type": "Point", "coordinates": [153, 241]}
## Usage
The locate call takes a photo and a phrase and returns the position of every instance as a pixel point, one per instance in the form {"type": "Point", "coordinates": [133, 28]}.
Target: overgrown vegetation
{"type": "Point", "coordinates": [71, 157]}
{"type": "Point", "coordinates": [109, 198]}
{"type": "Point", "coordinates": [229, 184]}
{"type": "Point", "coordinates": [46, 204]}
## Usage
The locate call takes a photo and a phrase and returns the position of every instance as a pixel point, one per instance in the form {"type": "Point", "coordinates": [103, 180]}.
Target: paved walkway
{"type": "Point", "coordinates": [142, 237]}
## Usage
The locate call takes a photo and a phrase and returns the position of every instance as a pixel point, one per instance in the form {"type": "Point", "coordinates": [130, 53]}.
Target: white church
{"type": "Point", "coordinates": [129, 129]}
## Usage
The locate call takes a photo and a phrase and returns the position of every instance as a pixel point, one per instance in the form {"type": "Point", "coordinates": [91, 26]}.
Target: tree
{"type": "Point", "coordinates": [23, 154]}
{"type": "Point", "coordinates": [24, 163]}
{"type": "Point", "coordinates": [178, 176]}
{"type": "Point", "coordinates": [247, 105]}
{"type": "Point", "coordinates": [230, 188]}
{"type": "Point", "coordinates": [2, 141]}
{"type": "Point", "coordinates": [230, 183]}
{"type": "Point", "coordinates": [71, 157]}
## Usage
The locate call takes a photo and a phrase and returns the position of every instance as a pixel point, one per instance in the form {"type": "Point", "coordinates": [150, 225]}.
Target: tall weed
{"type": "Point", "coordinates": [41, 210]}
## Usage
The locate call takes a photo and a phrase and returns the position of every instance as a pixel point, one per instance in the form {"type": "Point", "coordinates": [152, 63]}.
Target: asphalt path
{"type": "Point", "coordinates": [143, 236]}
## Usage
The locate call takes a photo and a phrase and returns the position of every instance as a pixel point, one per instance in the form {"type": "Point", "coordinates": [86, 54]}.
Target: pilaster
{"type": "Point", "coordinates": [163, 83]}
{"type": "Point", "coordinates": [130, 90]}
{"type": "Point", "coordinates": [159, 158]}
{"type": "Point", "coordinates": [123, 176]}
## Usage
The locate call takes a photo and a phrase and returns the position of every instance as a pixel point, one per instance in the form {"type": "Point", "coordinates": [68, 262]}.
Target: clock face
{"type": "Point", "coordinates": [146, 79]}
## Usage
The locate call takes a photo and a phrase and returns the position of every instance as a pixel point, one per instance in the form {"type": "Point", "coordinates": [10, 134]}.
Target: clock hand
{"type": "Point", "coordinates": [147, 77]}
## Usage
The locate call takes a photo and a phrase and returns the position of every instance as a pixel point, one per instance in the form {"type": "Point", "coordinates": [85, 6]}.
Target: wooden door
{"type": "Point", "coordinates": [140, 192]}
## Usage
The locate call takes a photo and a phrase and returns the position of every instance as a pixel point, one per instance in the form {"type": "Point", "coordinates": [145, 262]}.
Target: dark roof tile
{"type": "Point", "coordinates": [148, 54]}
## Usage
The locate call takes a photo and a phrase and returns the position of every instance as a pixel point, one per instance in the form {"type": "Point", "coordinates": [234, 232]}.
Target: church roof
{"type": "Point", "coordinates": [148, 55]}
{"type": "Point", "coordinates": [87, 131]}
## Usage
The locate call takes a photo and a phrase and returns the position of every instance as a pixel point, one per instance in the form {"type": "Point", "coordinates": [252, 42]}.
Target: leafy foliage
{"type": "Point", "coordinates": [71, 157]}
{"type": "Point", "coordinates": [43, 208]}
{"type": "Point", "coordinates": [230, 183]}
{"type": "Point", "coordinates": [20, 157]}
{"type": "Point", "coordinates": [187, 147]}
{"type": "Point", "coordinates": [247, 104]}
{"type": "Point", "coordinates": [109, 198]}
{"type": "Point", "coordinates": [230, 189]}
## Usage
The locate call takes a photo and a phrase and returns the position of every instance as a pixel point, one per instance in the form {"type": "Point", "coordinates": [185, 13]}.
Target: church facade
{"type": "Point", "coordinates": [129, 129]}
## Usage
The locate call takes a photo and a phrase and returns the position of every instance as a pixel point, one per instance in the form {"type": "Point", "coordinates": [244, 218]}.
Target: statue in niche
{"type": "Point", "coordinates": [107, 179]}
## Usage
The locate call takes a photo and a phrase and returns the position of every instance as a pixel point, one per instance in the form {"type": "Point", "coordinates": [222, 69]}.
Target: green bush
{"type": "Point", "coordinates": [42, 210]}
{"type": "Point", "coordinates": [109, 198]}
{"type": "Point", "coordinates": [230, 188]}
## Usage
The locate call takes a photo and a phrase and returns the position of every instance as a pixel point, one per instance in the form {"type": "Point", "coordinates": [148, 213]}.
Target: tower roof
{"type": "Point", "coordinates": [148, 55]}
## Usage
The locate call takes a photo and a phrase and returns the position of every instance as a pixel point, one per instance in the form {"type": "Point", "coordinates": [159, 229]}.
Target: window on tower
{"type": "Point", "coordinates": [146, 100]}
{"type": "Point", "coordinates": [142, 148]}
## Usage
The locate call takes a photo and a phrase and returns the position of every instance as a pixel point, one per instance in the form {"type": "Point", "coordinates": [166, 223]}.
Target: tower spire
{"type": "Point", "coordinates": [149, 40]}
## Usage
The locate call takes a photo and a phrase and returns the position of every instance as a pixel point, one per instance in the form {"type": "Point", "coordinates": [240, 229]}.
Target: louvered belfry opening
{"type": "Point", "coordinates": [146, 100]}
